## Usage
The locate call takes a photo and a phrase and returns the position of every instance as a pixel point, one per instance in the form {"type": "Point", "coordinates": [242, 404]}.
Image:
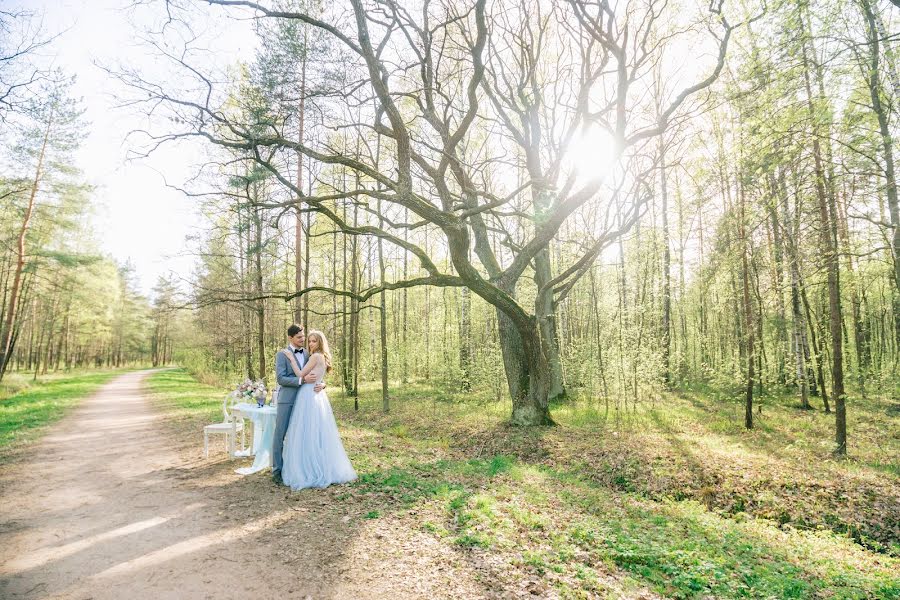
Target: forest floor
{"type": "Point", "coordinates": [28, 404]}
{"type": "Point", "coordinates": [672, 500]}
{"type": "Point", "coordinates": [114, 503]}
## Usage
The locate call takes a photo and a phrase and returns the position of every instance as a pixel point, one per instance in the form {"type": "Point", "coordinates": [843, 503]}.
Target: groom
{"type": "Point", "coordinates": [289, 383]}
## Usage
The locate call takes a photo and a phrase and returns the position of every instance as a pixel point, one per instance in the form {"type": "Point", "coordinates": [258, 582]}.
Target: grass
{"type": "Point", "coordinates": [27, 407]}
{"type": "Point", "coordinates": [564, 527]}
{"type": "Point", "coordinates": [674, 499]}
{"type": "Point", "coordinates": [181, 397]}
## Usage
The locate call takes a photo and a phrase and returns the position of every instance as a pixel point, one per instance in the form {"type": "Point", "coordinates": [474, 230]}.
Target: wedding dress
{"type": "Point", "coordinates": [314, 456]}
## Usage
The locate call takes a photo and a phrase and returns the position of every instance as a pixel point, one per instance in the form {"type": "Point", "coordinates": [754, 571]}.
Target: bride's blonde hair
{"type": "Point", "coordinates": [322, 348]}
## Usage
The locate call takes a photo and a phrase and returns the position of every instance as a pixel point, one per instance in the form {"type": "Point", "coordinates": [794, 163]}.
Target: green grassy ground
{"type": "Point", "coordinates": [181, 397]}
{"type": "Point", "coordinates": [674, 498]}
{"type": "Point", "coordinates": [27, 407]}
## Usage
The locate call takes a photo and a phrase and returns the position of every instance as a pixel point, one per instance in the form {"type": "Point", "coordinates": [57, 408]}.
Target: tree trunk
{"type": "Point", "coordinates": [860, 335]}
{"type": "Point", "coordinates": [385, 399]}
{"type": "Point", "coordinates": [704, 325]}
{"type": "Point", "coordinates": [546, 313]}
{"type": "Point", "coordinates": [465, 337]}
{"type": "Point", "coordinates": [300, 303]}
{"type": "Point", "coordinates": [595, 305]}
{"type": "Point", "coordinates": [427, 321]}
{"type": "Point", "coordinates": [63, 357]}
{"type": "Point", "coordinates": [887, 144]}
{"type": "Point", "coordinates": [347, 359]}
{"type": "Point", "coordinates": [154, 346]}
{"type": "Point", "coordinates": [890, 57]}
{"type": "Point", "coordinates": [818, 351]}
{"type": "Point", "coordinates": [306, 269]}
{"type": "Point", "coordinates": [666, 271]}
{"type": "Point", "coordinates": [545, 308]}
{"type": "Point", "coordinates": [778, 251]}
{"type": "Point", "coordinates": [404, 298]}
{"type": "Point", "coordinates": [799, 341]}
{"type": "Point", "coordinates": [829, 247]}
{"type": "Point", "coordinates": [749, 329]}
{"type": "Point", "coordinates": [527, 373]}
{"type": "Point", "coordinates": [6, 333]}
{"type": "Point", "coordinates": [760, 341]}
{"type": "Point", "coordinates": [298, 262]}
{"type": "Point", "coordinates": [260, 303]}
{"type": "Point", "coordinates": [354, 313]}
{"type": "Point", "coordinates": [245, 237]}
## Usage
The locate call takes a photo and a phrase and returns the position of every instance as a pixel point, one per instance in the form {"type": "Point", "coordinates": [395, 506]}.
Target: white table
{"type": "Point", "coordinates": [263, 434]}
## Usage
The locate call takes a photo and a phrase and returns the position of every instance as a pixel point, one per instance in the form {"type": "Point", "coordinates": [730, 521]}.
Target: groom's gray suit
{"type": "Point", "coordinates": [289, 383]}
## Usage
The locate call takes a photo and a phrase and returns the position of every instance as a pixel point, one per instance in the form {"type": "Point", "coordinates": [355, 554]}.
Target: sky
{"type": "Point", "coordinates": [138, 218]}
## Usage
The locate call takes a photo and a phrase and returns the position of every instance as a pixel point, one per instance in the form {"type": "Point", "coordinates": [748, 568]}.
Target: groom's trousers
{"type": "Point", "coordinates": [282, 419]}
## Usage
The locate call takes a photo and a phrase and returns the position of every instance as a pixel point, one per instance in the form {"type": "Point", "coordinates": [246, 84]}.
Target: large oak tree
{"type": "Point", "coordinates": [477, 111]}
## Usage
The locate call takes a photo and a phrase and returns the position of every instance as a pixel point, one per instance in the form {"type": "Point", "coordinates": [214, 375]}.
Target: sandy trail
{"type": "Point", "coordinates": [111, 504]}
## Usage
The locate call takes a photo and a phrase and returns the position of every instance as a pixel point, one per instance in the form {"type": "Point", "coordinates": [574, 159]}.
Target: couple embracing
{"type": "Point", "coordinates": [307, 451]}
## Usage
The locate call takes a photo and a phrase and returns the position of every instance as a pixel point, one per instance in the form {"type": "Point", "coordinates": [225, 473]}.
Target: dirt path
{"type": "Point", "coordinates": [112, 504]}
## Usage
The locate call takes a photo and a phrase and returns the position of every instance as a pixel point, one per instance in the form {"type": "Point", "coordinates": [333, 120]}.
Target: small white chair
{"type": "Point", "coordinates": [229, 427]}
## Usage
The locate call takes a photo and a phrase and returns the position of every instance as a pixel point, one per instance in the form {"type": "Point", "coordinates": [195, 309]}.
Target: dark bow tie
{"type": "Point", "coordinates": [297, 351]}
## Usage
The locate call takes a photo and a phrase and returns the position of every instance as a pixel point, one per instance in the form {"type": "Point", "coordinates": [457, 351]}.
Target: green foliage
{"type": "Point", "coordinates": [685, 552]}
{"type": "Point", "coordinates": [75, 308]}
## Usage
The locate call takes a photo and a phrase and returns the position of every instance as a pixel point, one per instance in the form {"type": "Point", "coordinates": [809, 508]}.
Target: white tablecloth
{"type": "Point", "coordinates": [263, 433]}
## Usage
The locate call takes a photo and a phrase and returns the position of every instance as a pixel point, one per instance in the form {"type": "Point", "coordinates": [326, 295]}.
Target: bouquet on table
{"type": "Point", "coordinates": [249, 390]}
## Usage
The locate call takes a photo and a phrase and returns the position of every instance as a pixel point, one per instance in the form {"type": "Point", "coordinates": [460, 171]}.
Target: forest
{"type": "Point", "coordinates": [65, 305]}
{"type": "Point", "coordinates": [591, 210]}
{"type": "Point", "coordinates": [653, 244]}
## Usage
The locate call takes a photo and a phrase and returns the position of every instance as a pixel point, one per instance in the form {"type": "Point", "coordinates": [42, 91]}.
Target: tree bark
{"type": "Point", "coordinates": [828, 232]}
{"type": "Point", "coordinates": [799, 341]}
{"type": "Point", "coordinates": [465, 337]}
{"type": "Point", "coordinates": [527, 373]}
{"type": "Point", "coordinates": [666, 271]}
{"type": "Point", "coordinates": [778, 255]}
{"type": "Point", "coordinates": [404, 351]}
{"type": "Point", "coordinates": [301, 301]}
{"type": "Point", "coordinates": [260, 303]}
{"type": "Point", "coordinates": [354, 313]}
{"type": "Point", "coordinates": [385, 398]}
{"type": "Point", "coordinates": [749, 329]}
{"type": "Point", "coordinates": [6, 334]}
{"type": "Point", "coordinates": [873, 82]}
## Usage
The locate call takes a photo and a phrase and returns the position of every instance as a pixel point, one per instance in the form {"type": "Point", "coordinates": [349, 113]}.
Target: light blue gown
{"type": "Point", "coordinates": [314, 456]}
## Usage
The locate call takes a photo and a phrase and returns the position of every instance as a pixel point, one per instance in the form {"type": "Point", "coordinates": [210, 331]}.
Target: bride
{"type": "Point", "coordinates": [314, 456]}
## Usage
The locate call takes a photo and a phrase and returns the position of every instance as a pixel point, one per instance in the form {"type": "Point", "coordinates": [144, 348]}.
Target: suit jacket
{"type": "Point", "coordinates": [286, 377]}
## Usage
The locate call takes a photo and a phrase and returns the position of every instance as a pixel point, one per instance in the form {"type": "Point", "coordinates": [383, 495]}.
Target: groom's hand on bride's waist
{"type": "Point", "coordinates": [311, 378]}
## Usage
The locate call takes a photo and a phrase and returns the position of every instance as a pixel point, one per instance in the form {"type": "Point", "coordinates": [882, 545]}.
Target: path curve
{"type": "Point", "coordinates": [110, 505]}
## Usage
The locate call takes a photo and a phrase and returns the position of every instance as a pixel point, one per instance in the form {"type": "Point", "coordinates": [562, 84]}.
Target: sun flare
{"type": "Point", "coordinates": [591, 154]}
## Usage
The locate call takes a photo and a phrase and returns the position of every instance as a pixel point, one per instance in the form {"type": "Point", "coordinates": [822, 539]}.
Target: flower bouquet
{"type": "Point", "coordinates": [250, 390]}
